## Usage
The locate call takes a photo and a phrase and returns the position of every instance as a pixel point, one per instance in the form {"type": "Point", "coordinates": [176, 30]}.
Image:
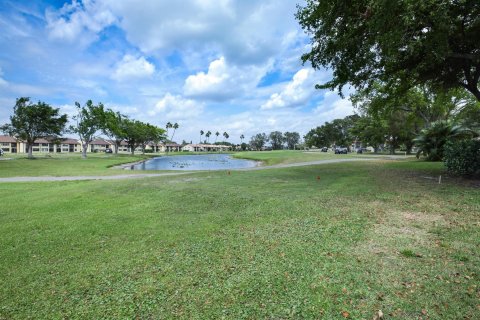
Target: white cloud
{"type": "Point", "coordinates": [222, 81]}
{"type": "Point", "coordinates": [333, 107]}
{"type": "Point", "coordinates": [131, 67]}
{"type": "Point", "coordinates": [295, 93]}
{"type": "Point", "coordinates": [78, 19]}
{"type": "Point", "coordinates": [244, 32]}
{"type": "Point", "coordinates": [175, 108]}
{"type": "Point", "coordinates": [3, 82]}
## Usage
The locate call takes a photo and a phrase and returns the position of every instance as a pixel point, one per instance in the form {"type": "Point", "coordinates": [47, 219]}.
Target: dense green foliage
{"type": "Point", "coordinates": [30, 122]}
{"type": "Point", "coordinates": [89, 120]}
{"type": "Point", "coordinates": [402, 43]}
{"type": "Point", "coordinates": [462, 157]}
{"type": "Point", "coordinates": [338, 132]}
{"type": "Point", "coordinates": [137, 133]}
{"type": "Point", "coordinates": [431, 141]}
{"type": "Point", "coordinates": [276, 140]}
{"type": "Point", "coordinates": [113, 127]}
{"type": "Point", "coordinates": [291, 139]}
{"type": "Point", "coordinates": [258, 141]}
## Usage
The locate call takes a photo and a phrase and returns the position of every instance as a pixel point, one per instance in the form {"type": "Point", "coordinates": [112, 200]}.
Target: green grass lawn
{"type": "Point", "coordinates": [293, 156]}
{"type": "Point", "coordinates": [65, 165]}
{"type": "Point", "coordinates": [278, 244]}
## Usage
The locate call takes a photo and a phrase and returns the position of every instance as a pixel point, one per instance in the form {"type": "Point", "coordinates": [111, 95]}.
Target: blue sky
{"type": "Point", "coordinates": [220, 65]}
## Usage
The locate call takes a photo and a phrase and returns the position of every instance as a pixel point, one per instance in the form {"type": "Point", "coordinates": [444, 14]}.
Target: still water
{"type": "Point", "coordinates": [195, 162]}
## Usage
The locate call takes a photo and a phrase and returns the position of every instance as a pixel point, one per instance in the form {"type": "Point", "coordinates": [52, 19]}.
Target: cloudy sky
{"type": "Point", "coordinates": [223, 65]}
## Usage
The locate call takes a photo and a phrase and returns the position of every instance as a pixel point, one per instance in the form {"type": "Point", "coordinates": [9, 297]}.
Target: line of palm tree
{"type": "Point", "coordinates": [208, 134]}
{"type": "Point", "coordinates": [201, 134]}
{"type": "Point", "coordinates": [217, 134]}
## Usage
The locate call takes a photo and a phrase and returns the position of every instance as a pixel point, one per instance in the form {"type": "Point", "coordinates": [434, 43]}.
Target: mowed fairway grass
{"type": "Point", "coordinates": [275, 244]}
{"type": "Point", "coordinates": [65, 164]}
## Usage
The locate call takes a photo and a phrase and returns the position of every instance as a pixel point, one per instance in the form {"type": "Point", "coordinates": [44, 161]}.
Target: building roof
{"type": "Point", "coordinates": [7, 139]}
{"type": "Point", "coordinates": [202, 145]}
{"type": "Point", "coordinates": [40, 140]}
{"type": "Point", "coordinates": [100, 141]}
{"type": "Point", "coordinates": [69, 141]}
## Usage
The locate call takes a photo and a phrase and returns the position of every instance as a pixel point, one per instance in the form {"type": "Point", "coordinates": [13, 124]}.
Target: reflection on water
{"type": "Point", "coordinates": [194, 162]}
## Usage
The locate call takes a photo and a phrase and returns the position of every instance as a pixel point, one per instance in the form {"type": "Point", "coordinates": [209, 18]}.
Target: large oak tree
{"type": "Point", "coordinates": [403, 43]}
{"type": "Point", "coordinates": [89, 120]}
{"type": "Point", "coordinates": [30, 122]}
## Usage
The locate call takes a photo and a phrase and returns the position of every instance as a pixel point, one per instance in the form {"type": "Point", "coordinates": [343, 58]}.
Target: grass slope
{"type": "Point", "coordinates": [264, 244]}
{"type": "Point", "coordinates": [65, 165]}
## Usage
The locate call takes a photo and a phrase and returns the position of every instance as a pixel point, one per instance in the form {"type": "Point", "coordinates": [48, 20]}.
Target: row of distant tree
{"type": "Point", "coordinates": [277, 140]}
{"type": "Point", "coordinates": [420, 117]}
{"type": "Point", "coordinates": [417, 80]}
{"type": "Point", "coordinates": [209, 133]}
{"type": "Point", "coordinates": [31, 121]}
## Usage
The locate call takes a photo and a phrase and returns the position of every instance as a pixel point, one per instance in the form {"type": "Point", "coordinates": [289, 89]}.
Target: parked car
{"type": "Point", "coordinates": [324, 149]}
{"type": "Point", "coordinates": [341, 150]}
{"type": "Point", "coordinates": [359, 150]}
{"type": "Point", "coordinates": [1, 152]}
{"type": "Point", "coordinates": [108, 150]}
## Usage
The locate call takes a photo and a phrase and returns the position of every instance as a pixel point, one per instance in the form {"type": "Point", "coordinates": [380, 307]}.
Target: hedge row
{"type": "Point", "coordinates": [462, 157]}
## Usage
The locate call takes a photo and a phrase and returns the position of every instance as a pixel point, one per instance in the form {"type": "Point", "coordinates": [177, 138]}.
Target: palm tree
{"type": "Point", "coordinates": [217, 134]}
{"type": "Point", "coordinates": [431, 141]}
{"type": "Point", "coordinates": [225, 134]}
{"type": "Point", "coordinates": [201, 134]}
{"type": "Point", "coordinates": [241, 138]}
{"type": "Point", "coordinates": [175, 127]}
{"type": "Point", "coordinates": [168, 126]}
{"type": "Point", "coordinates": [208, 134]}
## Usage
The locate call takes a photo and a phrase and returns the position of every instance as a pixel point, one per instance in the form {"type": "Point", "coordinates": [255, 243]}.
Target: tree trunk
{"type": "Point", "coordinates": [409, 146]}
{"type": "Point", "coordinates": [84, 150]}
{"type": "Point", "coordinates": [30, 150]}
{"type": "Point", "coordinates": [392, 148]}
{"type": "Point", "coordinates": [116, 147]}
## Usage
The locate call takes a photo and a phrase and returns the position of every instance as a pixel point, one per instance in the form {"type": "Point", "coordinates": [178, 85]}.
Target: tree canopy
{"type": "Point", "coordinates": [137, 133]}
{"type": "Point", "coordinates": [257, 142]}
{"type": "Point", "coordinates": [113, 127]}
{"type": "Point", "coordinates": [89, 120]}
{"type": "Point", "coordinates": [401, 43]}
{"type": "Point", "coordinates": [292, 139]}
{"type": "Point", "coordinates": [337, 132]}
{"type": "Point", "coordinates": [276, 140]}
{"type": "Point", "coordinates": [30, 122]}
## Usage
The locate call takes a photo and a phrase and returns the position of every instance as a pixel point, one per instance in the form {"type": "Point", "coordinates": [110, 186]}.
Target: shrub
{"type": "Point", "coordinates": [431, 141]}
{"type": "Point", "coordinates": [462, 157]}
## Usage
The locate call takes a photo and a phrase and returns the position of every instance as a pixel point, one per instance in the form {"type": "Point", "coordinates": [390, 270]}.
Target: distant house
{"type": "Point", "coordinates": [123, 147]}
{"type": "Point", "coordinates": [205, 147]}
{"type": "Point", "coordinates": [169, 147]}
{"type": "Point", "coordinates": [68, 145]}
{"type": "Point", "coordinates": [9, 144]}
{"type": "Point", "coordinates": [192, 147]}
{"type": "Point", "coordinates": [100, 145]}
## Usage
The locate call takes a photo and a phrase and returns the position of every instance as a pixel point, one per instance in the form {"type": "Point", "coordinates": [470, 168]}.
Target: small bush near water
{"type": "Point", "coordinates": [462, 157]}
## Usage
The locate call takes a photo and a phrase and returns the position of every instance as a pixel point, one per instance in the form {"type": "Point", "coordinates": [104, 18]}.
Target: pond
{"type": "Point", "coordinates": [195, 162]}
